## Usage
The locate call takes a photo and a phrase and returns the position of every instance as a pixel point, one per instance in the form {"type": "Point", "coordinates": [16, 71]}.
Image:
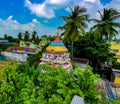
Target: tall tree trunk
{"type": "Point", "coordinates": [72, 50]}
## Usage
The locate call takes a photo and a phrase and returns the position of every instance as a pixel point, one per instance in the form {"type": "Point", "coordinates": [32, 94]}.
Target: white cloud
{"type": "Point", "coordinates": [35, 21]}
{"type": "Point", "coordinates": [10, 17]}
{"type": "Point", "coordinates": [90, 1]}
{"type": "Point", "coordinates": [57, 2]}
{"type": "Point", "coordinates": [47, 8]}
{"type": "Point", "coordinates": [13, 27]}
{"type": "Point", "coordinates": [114, 4]}
{"type": "Point", "coordinates": [40, 10]}
{"type": "Point", "coordinates": [68, 9]}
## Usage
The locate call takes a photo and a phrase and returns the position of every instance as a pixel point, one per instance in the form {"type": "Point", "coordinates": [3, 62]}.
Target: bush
{"type": "Point", "coordinates": [26, 85]}
{"type": "Point", "coordinates": [116, 65]}
{"type": "Point", "coordinates": [34, 60]}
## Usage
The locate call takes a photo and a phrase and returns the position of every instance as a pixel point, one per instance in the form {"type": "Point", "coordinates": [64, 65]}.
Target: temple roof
{"type": "Point", "coordinates": [57, 46]}
{"type": "Point", "coordinates": [57, 42]}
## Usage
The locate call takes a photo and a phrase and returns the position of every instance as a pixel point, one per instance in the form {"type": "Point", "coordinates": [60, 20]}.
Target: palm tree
{"type": "Point", "coordinates": [26, 36]}
{"type": "Point", "coordinates": [74, 25]}
{"type": "Point", "coordinates": [34, 33]}
{"type": "Point", "coordinates": [5, 36]}
{"type": "Point", "coordinates": [106, 26]}
{"type": "Point", "coordinates": [19, 36]}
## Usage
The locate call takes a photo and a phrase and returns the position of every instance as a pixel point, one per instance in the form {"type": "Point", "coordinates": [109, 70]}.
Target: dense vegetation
{"type": "Point", "coordinates": [3, 47]}
{"type": "Point", "coordinates": [29, 84]}
{"type": "Point", "coordinates": [96, 51]}
{"type": "Point", "coordinates": [26, 85]}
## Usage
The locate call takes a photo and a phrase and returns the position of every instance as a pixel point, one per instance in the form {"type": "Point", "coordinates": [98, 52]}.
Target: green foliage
{"type": "Point", "coordinates": [26, 36]}
{"type": "Point", "coordinates": [75, 25]}
{"type": "Point", "coordinates": [19, 36]}
{"type": "Point", "coordinates": [10, 38]}
{"type": "Point", "coordinates": [4, 46]}
{"type": "Point", "coordinates": [115, 102]}
{"type": "Point", "coordinates": [34, 33]}
{"type": "Point", "coordinates": [86, 81]}
{"type": "Point", "coordinates": [34, 60]}
{"type": "Point", "coordinates": [106, 26]}
{"type": "Point", "coordinates": [26, 85]}
{"type": "Point", "coordinates": [116, 65]}
{"type": "Point", "coordinates": [64, 85]}
{"type": "Point", "coordinates": [96, 51]}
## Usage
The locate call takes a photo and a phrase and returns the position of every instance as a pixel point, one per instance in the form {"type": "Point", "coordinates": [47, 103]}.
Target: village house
{"type": "Point", "coordinates": [21, 52]}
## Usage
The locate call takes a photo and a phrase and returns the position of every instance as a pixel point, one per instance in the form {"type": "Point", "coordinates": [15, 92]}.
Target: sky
{"type": "Point", "coordinates": [43, 16]}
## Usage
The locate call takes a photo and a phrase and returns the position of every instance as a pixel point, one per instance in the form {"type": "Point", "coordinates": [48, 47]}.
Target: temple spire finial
{"type": "Point", "coordinates": [57, 34]}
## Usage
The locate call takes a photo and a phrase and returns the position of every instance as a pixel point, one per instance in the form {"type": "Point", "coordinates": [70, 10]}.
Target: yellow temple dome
{"type": "Point", "coordinates": [56, 46]}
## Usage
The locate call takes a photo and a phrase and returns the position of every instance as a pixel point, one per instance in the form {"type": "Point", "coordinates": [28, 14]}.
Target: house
{"type": "Point", "coordinates": [27, 44]}
{"type": "Point", "coordinates": [3, 41]}
{"type": "Point", "coordinates": [115, 48]}
{"type": "Point", "coordinates": [21, 52]}
{"type": "Point", "coordinates": [115, 77]}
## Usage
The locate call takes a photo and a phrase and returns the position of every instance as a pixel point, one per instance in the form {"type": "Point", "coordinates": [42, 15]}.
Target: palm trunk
{"type": "Point", "coordinates": [72, 50]}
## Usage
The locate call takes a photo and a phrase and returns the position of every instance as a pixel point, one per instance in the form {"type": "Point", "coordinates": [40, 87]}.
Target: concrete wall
{"type": "Point", "coordinates": [16, 56]}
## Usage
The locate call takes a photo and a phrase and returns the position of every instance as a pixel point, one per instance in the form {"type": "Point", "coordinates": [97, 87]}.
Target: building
{"type": "Point", "coordinates": [56, 55]}
{"type": "Point", "coordinates": [81, 62]}
{"type": "Point", "coordinates": [27, 44]}
{"type": "Point", "coordinates": [21, 52]}
{"type": "Point", "coordinates": [115, 48]}
{"type": "Point", "coordinates": [3, 41]}
{"type": "Point", "coordinates": [115, 77]}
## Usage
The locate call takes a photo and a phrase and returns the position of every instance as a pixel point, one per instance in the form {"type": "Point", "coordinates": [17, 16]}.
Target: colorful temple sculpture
{"type": "Point", "coordinates": [56, 55]}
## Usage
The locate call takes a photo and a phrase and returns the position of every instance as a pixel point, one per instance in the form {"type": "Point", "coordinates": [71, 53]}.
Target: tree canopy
{"type": "Point", "coordinates": [74, 25]}
{"type": "Point", "coordinates": [90, 48]}
{"type": "Point", "coordinates": [26, 85]}
{"type": "Point", "coordinates": [106, 26]}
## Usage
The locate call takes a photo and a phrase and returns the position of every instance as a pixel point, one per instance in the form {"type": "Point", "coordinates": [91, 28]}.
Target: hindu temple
{"type": "Point", "coordinates": [56, 55]}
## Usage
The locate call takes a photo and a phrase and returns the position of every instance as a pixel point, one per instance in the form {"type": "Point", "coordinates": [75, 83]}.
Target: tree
{"type": "Point", "coordinates": [26, 35]}
{"type": "Point", "coordinates": [10, 38]}
{"type": "Point", "coordinates": [20, 36]}
{"type": "Point", "coordinates": [5, 36]}
{"type": "Point", "coordinates": [26, 85]}
{"type": "Point", "coordinates": [66, 85]}
{"type": "Point", "coordinates": [74, 25]}
{"type": "Point", "coordinates": [37, 39]}
{"type": "Point", "coordinates": [34, 59]}
{"type": "Point", "coordinates": [34, 33]}
{"type": "Point", "coordinates": [90, 48]}
{"type": "Point", "coordinates": [106, 26]}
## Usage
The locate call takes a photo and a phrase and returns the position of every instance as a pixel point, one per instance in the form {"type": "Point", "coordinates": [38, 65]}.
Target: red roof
{"type": "Point", "coordinates": [57, 40]}
{"type": "Point", "coordinates": [17, 48]}
{"type": "Point", "coordinates": [25, 49]}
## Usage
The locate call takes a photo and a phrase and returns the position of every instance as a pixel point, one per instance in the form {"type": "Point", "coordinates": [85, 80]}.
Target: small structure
{"type": "Point", "coordinates": [115, 76]}
{"type": "Point", "coordinates": [77, 100]}
{"type": "Point", "coordinates": [3, 41]}
{"type": "Point", "coordinates": [81, 62]}
{"type": "Point", "coordinates": [21, 52]}
{"type": "Point", "coordinates": [27, 44]}
{"type": "Point", "coordinates": [56, 55]}
{"type": "Point", "coordinates": [115, 48]}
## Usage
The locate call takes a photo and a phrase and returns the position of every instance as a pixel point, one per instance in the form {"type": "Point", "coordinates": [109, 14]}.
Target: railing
{"type": "Point", "coordinates": [110, 93]}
